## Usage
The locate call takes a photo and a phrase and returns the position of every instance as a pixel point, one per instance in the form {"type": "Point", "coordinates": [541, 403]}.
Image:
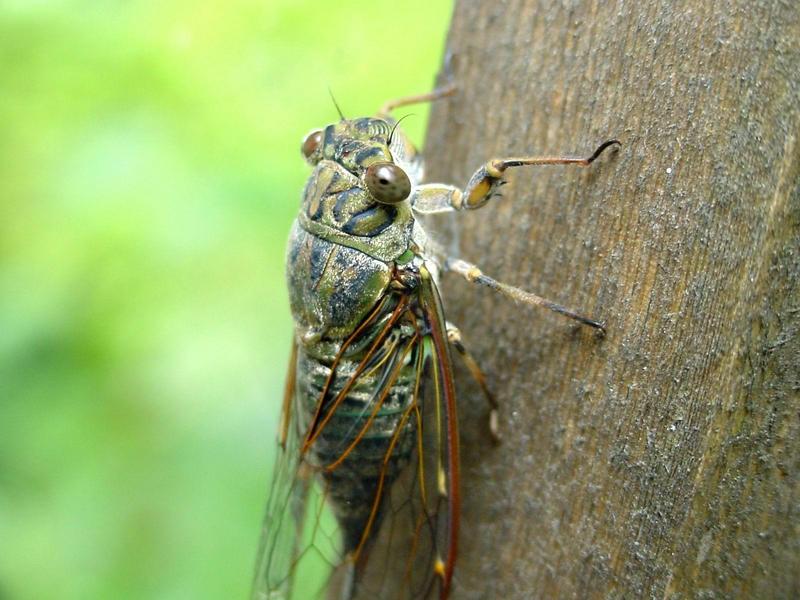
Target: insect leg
{"type": "Point", "coordinates": [473, 274]}
{"type": "Point", "coordinates": [485, 181]}
{"type": "Point", "coordinates": [436, 94]}
{"type": "Point", "coordinates": [438, 198]}
{"type": "Point", "coordinates": [454, 336]}
{"type": "Point", "coordinates": [432, 198]}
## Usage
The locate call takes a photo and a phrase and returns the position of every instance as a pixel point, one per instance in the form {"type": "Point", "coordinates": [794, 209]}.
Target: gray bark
{"type": "Point", "coordinates": [661, 461]}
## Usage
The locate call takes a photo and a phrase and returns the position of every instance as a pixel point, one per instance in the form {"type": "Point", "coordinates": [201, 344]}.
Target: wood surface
{"type": "Point", "coordinates": [662, 460]}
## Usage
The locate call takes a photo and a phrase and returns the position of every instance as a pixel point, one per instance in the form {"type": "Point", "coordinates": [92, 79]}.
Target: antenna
{"type": "Point", "coordinates": [336, 104]}
{"type": "Point", "coordinates": [389, 140]}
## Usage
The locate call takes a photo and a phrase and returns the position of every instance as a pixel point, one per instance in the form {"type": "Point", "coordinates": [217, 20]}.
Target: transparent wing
{"type": "Point", "coordinates": [446, 446]}
{"type": "Point", "coordinates": [287, 494]}
{"type": "Point", "coordinates": [414, 554]}
{"type": "Point", "coordinates": [411, 531]}
{"type": "Point", "coordinates": [292, 514]}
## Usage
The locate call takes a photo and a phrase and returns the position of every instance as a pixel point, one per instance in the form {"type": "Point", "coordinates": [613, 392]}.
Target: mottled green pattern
{"type": "Point", "coordinates": [149, 173]}
{"type": "Point", "coordinates": [336, 202]}
{"type": "Point", "coordinates": [332, 288]}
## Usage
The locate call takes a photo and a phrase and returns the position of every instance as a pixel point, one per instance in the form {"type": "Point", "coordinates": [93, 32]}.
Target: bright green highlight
{"type": "Point", "coordinates": [149, 172]}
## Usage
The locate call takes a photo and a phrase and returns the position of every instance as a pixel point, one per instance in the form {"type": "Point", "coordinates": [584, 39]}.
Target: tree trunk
{"type": "Point", "coordinates": [662, 460]}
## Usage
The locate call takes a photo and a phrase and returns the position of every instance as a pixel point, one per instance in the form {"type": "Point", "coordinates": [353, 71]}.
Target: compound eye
{"type": "Point", "coordinates": [387, 183]}
{"type": "Point", "coordinates": [312, 143]}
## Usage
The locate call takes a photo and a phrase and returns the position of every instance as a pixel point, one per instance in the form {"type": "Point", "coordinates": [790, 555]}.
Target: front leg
{"type": "Point", "coordinates": [437, 198]}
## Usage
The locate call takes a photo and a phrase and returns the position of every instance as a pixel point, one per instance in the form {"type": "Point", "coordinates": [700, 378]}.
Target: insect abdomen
{"type": "Point", "coordinates": [359, 435]}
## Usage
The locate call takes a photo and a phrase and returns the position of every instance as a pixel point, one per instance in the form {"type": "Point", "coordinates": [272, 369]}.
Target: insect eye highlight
{"type": "Point", "coordinates": [311, 144]}
{"type": "Point", "coordinates": [387, 182]}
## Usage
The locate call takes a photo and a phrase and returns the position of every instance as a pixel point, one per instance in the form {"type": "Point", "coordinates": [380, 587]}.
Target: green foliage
{"type": "Point", "coordinates": [149, 171]}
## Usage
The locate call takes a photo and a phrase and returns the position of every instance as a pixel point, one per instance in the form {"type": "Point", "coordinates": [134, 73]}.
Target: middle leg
{"type": "Point", "coordinates": [473, 274]}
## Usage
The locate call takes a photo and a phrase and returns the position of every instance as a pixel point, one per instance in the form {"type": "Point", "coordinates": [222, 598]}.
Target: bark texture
{"type": "Point", "coordinates": [661, 461]}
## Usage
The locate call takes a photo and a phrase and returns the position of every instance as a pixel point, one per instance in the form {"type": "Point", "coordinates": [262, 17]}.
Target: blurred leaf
{"type": "Point", "coordinates": [149, 172]}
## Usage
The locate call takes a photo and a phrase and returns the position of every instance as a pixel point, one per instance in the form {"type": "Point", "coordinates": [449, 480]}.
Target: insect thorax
{"type": "Point", "coordinates": [337, 208]}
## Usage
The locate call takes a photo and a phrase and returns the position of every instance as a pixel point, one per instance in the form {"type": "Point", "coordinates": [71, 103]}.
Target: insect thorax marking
{"type": "Point", "coordinates": [337, 208]}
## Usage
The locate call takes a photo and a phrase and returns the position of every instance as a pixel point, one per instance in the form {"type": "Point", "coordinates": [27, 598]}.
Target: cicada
{"type": "Point", "coordinates": [368, 431]}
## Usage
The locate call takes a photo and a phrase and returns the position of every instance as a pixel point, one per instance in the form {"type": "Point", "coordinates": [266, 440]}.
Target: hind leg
{"type": "Point", "coordinates": [454, 336]}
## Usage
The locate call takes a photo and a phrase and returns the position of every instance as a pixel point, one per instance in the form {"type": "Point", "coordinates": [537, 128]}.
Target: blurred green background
{"type": "Point", "coordinates": [149, 172]}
